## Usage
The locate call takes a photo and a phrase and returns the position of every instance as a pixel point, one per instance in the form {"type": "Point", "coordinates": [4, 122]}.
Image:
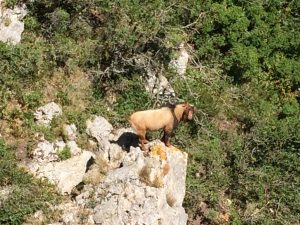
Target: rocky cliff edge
{"type": "Point", "coordinates": [114, 182]}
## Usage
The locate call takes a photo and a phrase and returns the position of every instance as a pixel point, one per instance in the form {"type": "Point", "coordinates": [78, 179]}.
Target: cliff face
{"type": "Point", "coordinates": [145, 190]}
{"type": "Point", "coordinates": [115, 183]}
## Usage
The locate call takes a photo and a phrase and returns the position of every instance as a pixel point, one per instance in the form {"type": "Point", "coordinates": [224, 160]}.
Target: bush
{"type": "Point", "coordinates": [27, 194]}
{"type": "Point", "coordinates": [64, 154]}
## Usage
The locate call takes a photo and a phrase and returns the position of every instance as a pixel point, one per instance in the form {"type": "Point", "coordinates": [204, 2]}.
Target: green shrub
{"type": "Point", "coordinates": [27, 194]}
{"type": "Point", "coordinates": [64, 154]}
{"type": "Point", "coordinates": [132, 97]}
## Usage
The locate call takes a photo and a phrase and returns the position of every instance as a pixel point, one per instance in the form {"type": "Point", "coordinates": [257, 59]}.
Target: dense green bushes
{"type": "Point", "coordinates": [253, 40]}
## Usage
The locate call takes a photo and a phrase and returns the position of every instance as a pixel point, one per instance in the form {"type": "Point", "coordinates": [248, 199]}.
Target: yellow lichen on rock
{"type": "Point", "coordinates": [158, 150]}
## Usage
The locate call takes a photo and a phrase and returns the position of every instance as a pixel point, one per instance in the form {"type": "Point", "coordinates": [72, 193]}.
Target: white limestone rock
{"type": "Point", "coordinates": [134, 189]}
{"type": "Point", "coordinates": [11, 24]}
{"type": "Point", "coordinates": [59, 145]}
{"type": "Point", "coordinates": [74, 214]}
{"type": "Point", "coordinates": [158, 85]}
{"type": "Point", "coordinates": [46, 113]}
{"type": "Point", "coordinates": [70, 131]}
{"type": "Point", "coordinates": [68, 173]}
{"type": "Point", "coordinates": [75, 150]}
{"type": "Point", "coordinates": [180, 64]}
{"type": "Point", "coordinates": [100, 129]}
{"type": "Point", "coordinates": [116, 155]}
{"type": "Point", "coordinates": [45, 152]}
{"type": "Point", "coordinates": [155, 83]}
{"type": "Point", "coordinates": [144, 190]}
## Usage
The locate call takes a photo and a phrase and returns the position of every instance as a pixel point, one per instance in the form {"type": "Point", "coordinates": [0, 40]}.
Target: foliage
{"type": "Point", "coordinates": [64, 154]}
{"type": "Point", "coordinates": [26, 194]}
{"type": "Point", "coordinates": [131, 98]}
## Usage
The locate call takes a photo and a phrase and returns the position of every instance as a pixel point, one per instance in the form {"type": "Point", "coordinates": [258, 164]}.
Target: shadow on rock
{"type": "Point", "coordinates": [126, 140]}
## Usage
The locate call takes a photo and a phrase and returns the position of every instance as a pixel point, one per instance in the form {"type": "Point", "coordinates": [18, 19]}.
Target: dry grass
{"type": "Point", "coordinates": [102, 164]}
{"type": "Point", "coordinates": [40, 218]}
{"type": "Point", "coordinates": [93, 176]}
{"type": "Point", "coordinates": [76, 89]}
{"type": "Point", "coordinates": [97, 171]}
{"type": "Point", "coordinates": [158, 182]}
{"type": "Point", "coordinates": [144, 174]}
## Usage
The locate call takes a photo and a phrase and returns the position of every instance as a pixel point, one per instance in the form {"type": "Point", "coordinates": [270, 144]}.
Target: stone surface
{"type": "Point", "coordinates": [143, 191]}
{"type": "Point", "coordinates": [65, 174]}
{"type": "Point", "coordinates": [68, 173]}
{"type": "Point", "coordinates": [155, 83]}
{"type": "Point", "coordinates": [46, 113]}
{"type": "Point", "coordinates": [11, 24]}
{"type": "Point", "coordinates": [73, 214]}
{"type": "Point", "coordinates": [70, 131]}
{"type": "Point", "coordinates": [180, 64]}
{"type": "Point", "coordinates": [75, 150]}
{"type": "Point", "coordinates": [120, 185]}
{"type": "Point", "coordinates": [158, 85]}
{"type": "Point", "coordinates": [100, 129]}
{"type": "Point", "coordinates": [45, 152]}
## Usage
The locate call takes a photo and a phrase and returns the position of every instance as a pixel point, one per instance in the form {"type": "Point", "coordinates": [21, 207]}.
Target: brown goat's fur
{"type": "Point", "coordinates": [166, 118]}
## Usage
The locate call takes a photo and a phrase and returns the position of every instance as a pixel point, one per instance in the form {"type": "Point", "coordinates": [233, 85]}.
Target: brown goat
{"type": "Point", "coordinates": [166, 118]}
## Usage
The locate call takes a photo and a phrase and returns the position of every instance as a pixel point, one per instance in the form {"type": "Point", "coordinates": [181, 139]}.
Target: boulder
{"type": "Point", "coordinates": [75, 150]}
{"type": "Point", "coordinates": [70, 131]}
{"type": "Point", "coordinates": [46, 113]}
{"type": "Point", "coordinates": [65, 174]}
{"type": "Point", "coordinates": [180, 64]}
{"type": "Point", "coordinates": [68, 173]}
{"type": "Point", "coordinates": [11, 24]}
{"type": "Point", "coordinates": [45, 151]}
{"type": "Point", "coordinates": [100, 129]}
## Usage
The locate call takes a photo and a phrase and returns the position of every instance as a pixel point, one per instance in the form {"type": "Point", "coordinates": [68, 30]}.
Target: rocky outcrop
{"type": "Point", "coordinates": [11, 24]}
{"type": "Point", "coordinates": [46, 113]}
{"type": "Point", "coordinates": [146, 190]}
{"type": "Point", "coordinates": [180, 64]}
{"type": "Point", "coordinates": [155, 83]}
{"type": "Point", "coordinates": [158, 85]}
{"type": "Point", "coordinates": [70, 131]}
{"type": "Point", "coordinates": [65, 174]}
{"type": "Point", "coordinates": [69, 173]}
{"type": "Point", "coordinates": [119, 184]}
{"type": "Point", "coordinates": [46, 163]}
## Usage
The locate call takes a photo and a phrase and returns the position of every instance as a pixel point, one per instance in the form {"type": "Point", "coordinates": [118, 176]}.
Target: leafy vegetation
{"type": "Point", "coordinates": [65, 153]}
{"type": "Point", "coordinates": [25, 194]}
{"type": "Point", "coordinates": [243, 77]}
